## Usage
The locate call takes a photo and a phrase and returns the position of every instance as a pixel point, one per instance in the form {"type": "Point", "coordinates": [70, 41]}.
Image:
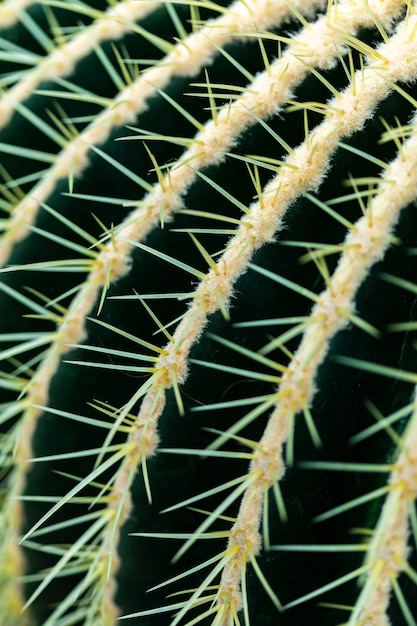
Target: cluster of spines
{"type": "Point", "coordinates": [298, 173]}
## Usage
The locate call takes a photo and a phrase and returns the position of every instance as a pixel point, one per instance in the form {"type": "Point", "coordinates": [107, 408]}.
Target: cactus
{"type": "Point", "coordinates": [208, 320]}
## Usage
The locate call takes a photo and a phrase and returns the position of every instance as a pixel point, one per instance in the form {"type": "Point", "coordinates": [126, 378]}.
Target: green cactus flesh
{"type": "Point", "coordinates": [208, 313]}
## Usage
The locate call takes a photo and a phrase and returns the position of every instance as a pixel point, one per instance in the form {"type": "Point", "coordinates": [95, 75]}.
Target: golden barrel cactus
{"type": "Point", "coordinates": [208, 313]}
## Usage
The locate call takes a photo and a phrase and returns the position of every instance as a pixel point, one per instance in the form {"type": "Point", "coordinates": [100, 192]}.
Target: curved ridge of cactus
{"type": "Point", "coordinates": [208, 312]}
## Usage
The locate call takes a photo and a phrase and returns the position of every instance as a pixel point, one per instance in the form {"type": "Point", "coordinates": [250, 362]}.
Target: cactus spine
{"type": "Point", "coordinates": [208, 313]}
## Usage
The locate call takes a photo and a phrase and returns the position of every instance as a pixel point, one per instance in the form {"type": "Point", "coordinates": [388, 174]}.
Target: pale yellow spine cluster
{"type": "Point", "coordinates": [10, 10]}
{"type": "Point", "coordinates": [388, 550]}
{"type": "Point", "coordinates": [62, 59]}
